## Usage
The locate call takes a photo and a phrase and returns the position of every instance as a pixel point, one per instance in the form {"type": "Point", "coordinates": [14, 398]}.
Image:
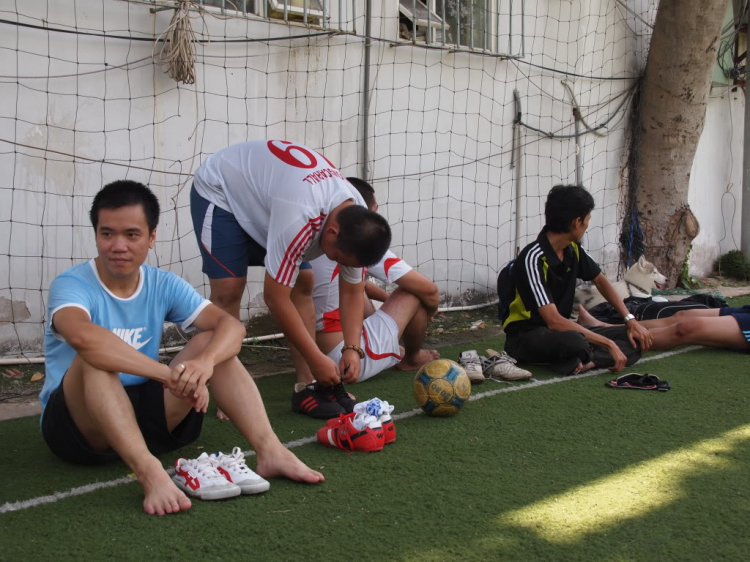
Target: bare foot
{"type": "Point", "coordinates": [161, 494]}
{"type": "Point", "coordinates": [414, 362]}
{"type": "Point", "coordinates": [585, 319]}
{"type": "Point", "coordinates": [584, 368]}
{"type": "Point", "coordinates": [221, 415]}
{"type": "Point", "coordinates": [282, 463]}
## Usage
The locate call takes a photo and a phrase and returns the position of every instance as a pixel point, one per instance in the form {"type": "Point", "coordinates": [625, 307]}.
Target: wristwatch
{"type": "Point", "coordinates": [628, 318]}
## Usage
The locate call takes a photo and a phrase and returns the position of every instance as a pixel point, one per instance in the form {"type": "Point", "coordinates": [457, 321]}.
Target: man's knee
{"type": "Point", "coordinates": [686, 327]}
{"type": "Point", "coordinates": [572, 343]}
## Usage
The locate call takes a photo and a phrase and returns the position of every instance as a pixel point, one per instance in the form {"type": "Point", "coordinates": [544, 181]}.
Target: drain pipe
{"type": "Point", "coordinates": [516, 163]}
{"type": "Point", "coordinates": [366, 93]}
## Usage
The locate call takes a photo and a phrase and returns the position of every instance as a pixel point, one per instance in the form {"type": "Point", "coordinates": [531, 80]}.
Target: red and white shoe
{"type": "Point", "coordinates": [382, 410]}
{"type": "Point", "coordinates": [353, 432]}
{"type": "Point", "coordinates": [236, 471]}
{"type": "Point", "coordinates": [198, 478]}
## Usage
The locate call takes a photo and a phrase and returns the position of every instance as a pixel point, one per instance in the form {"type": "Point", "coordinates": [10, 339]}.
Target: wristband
{"type": "Point", "coordinates": [628, 318]}
{"type": "Point", "coordinates": [355, 348]}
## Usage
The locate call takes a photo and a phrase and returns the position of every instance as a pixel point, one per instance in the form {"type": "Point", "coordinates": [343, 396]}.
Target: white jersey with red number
{"type": "Point", "coordinates": [326, 292]}
{"type": "Point", "coordinates": [280, 193]}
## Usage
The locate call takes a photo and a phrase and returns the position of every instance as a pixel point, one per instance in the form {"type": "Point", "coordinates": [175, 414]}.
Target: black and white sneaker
{"type": "Point", "coordinates": [317, 401]}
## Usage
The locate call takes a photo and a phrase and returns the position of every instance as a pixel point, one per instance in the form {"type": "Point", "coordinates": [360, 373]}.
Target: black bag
{"type": "Point", "coordinates": [506, 290]}
{"type": "Point", "coordinates": [648, 309]}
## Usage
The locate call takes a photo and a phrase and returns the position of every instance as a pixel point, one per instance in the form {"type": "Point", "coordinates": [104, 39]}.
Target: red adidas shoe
{"type": "Point", "coordinates": [389, 428]}
{"type": "Point", "coordinates": [341, 433]}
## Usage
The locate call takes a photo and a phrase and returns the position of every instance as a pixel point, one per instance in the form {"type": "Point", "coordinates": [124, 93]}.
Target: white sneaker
{"type": "Point", "coordinates": [199, 479]}
{"type": "Point", "coordinates": [471, 363]}
{"type": "Point", "coordinates": [235, 470]}
{"type": "Point", "coordinates": [382, 410]}
{"type": "Point", "coordinates": [503, 366]}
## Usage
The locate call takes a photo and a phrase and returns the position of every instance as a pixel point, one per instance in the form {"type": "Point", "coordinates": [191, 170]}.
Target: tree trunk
{"type": "Point", "coordinates": [672, 111]}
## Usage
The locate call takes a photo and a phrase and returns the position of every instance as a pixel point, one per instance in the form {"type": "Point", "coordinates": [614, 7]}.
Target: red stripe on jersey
{"type": "Point", "coordinates": [389, 263]}
{"type": "Point", "coordinates": [293, 251]}
{"type": "Point", "coordinates": [371, 354]}
{"type": "Point", "coordinates": [335, 271]}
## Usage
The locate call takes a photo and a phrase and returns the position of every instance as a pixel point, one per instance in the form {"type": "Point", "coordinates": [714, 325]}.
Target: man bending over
{"type": "Point", "coordinates": [279, 205]}
{"type": "Point", "coordinates": [106, 396]}
{"type": "Point", "coordinates": [537, 322]}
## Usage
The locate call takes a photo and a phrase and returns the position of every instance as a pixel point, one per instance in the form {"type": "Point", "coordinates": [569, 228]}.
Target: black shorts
{"type": "Point", "coordinates": [66, 441]}
{"type": "Point", "coordinates": [742, 315]}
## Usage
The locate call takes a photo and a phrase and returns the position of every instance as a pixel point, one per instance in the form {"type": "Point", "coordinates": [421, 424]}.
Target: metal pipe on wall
{"type": "Point", "coordinates": [366, 92]}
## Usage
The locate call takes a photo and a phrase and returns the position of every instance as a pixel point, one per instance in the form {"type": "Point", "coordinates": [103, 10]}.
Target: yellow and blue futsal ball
{"type": "Point", "coordinates": [441, 387]}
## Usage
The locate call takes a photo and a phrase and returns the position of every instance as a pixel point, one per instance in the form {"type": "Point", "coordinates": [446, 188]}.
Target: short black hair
{"type": "Point", "coordinates": [565, 203]}
{"type": "Point", "coordinates": [364, 234]}
{"type": "Point", "coordinates": [123, 193]}
{"type": "Point", "coordinates": [365, 190]}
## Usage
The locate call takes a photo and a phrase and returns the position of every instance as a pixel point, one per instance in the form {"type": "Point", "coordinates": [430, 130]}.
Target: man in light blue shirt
{"type": "Point", "coordinates": [106, 396]}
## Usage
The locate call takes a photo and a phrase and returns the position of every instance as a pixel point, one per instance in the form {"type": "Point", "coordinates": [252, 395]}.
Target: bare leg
{"type": "Point", "coordinates": [227, 295]}
{"type": "Point", "coordinates": [717, 331]}
{"type": "Point", "coordinates": [301, 297]}
{"type": "Point", "coordinates": [587, 320]}
{"type": "Point", "coordinates": [235, 392]}
{"type": "Point", "coordinates": [101, 410]}
{"type": "Point", "coordinates": [411, 319]}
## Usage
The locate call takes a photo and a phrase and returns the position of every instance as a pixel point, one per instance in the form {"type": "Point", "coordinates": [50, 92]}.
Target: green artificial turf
{"type": "Point", "coordinates": [566, 471]}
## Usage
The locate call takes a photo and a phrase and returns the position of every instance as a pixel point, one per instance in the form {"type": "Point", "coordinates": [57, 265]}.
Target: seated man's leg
{"type": "Point", "coordinates": [100, 410]}
{"type": "Point", "coordinates": [411, 318]}
{"type": "Point", "coordinates": [301, 297]}
{"type": "Point", "coordinates": [618, 334]}
{"type": "Point", "coordinates": [235, 393]}
{"type": "Point", "coordinates": [568, 352]}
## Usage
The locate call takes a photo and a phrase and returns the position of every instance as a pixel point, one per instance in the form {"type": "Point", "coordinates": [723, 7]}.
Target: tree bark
{"type": "Point", "coordinates": [671, 116]}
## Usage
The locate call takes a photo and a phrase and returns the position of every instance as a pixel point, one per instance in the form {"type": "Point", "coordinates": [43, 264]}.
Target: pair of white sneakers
{"type": "Point", "coordinates": [217, 476]}
{"type": "Point", "coordinates": [499, 365]}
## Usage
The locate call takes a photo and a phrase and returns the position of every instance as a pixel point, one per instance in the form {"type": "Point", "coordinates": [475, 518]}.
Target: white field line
{"type": "Point", "coordinates": [88, 488]}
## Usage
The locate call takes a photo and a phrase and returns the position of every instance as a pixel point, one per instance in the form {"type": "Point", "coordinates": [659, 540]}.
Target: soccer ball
{"type": "Point", "coordinates": [441, 387]}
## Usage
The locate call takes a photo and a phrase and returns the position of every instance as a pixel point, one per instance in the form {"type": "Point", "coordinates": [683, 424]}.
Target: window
{"type": "Point", "coordinates": [429, 24]}
{"type": "Point", "coordinates": [296, 10]}
{"type": "Point", "coordinates": [310, 11]}
{"type": "Point", "coordinates": [478, 25]}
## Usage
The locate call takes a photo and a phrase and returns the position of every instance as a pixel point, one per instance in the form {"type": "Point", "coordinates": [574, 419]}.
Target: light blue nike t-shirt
{"type": "Point", "coordinates": [137, 320]}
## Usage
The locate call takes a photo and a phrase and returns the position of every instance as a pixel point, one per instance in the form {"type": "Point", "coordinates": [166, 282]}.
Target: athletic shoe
{"type": "Point", "coordinates": [471, 363]}
{"type": "Point", "coordinates": [235, 470]}
{"type": "Point", "coordinates": [353, 432]}
{"type": "Point", "coordinates": [389, 427]}
{"type": "Point", "coordinates": [316, 401]}
{"type": "Point", "coordinates": [503, 366]}
{"type": "Point", "coordinates": [198, 478]}
{"type": "Point", "coordinates": [382, 410]}
{"type": "Point", "coordinates": [339, 395]}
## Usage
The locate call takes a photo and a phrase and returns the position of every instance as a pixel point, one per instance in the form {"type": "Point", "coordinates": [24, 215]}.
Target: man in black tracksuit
{"type": "Point", "coordinates": [537, 322]}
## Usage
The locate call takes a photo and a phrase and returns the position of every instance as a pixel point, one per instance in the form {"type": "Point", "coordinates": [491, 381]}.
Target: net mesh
{"type": "Point", "coordinates": [462, 124]}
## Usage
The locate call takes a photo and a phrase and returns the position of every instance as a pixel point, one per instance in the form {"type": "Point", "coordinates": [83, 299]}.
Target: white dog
{"type": "Point", "coordinates": [639, 281]}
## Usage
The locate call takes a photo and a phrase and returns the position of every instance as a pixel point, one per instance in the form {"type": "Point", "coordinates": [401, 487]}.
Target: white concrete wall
{"type": "Point", "coordinates": [716, 180]}
{"type": "Point", "coordinates": [440, 132]}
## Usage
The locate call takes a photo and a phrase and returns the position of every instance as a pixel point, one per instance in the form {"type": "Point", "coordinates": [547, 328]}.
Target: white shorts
{"type": "Point", "coordinates": [380, 344]}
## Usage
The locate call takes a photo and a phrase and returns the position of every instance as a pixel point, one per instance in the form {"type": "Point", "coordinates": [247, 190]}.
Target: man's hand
{"type": "Point", "coordinates": [638, 332]}
{"type": "Point", "coordinates": [199, 399]}
{"type": "Point", "coordinates": [618, 356]}
{"type": "Point", "coordinates": [189, 375]}
{"type": "Point", "coordinates": [350, 366]}
{"type": "Point", "coordinates": [325, 371]}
